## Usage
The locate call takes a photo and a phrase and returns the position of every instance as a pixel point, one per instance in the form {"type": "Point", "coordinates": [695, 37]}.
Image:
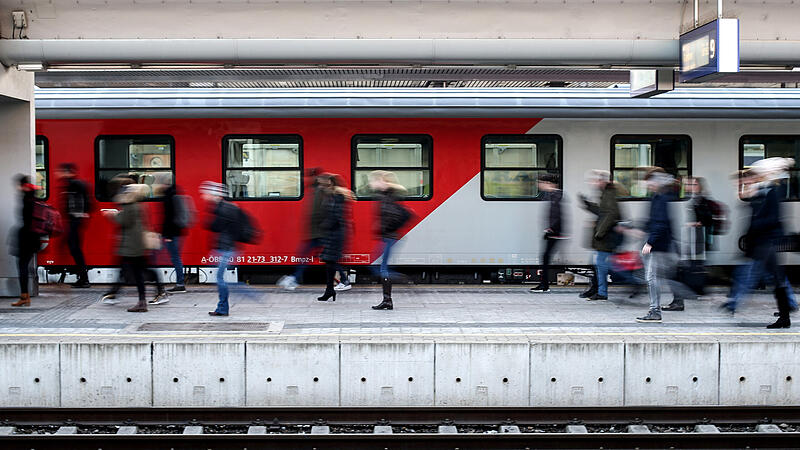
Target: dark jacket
{"type": "Point", "coordinates": [333, 227]}
{"type": "Point", "coordinates": [765, 224]}
{"type": "Point", "coordinates": [75, 199]}
{"type": "Point", "coordinates": [170, 229]}
{"type": "Point", "coordinates": [659, 226]}
{"type": "Point", "coordinates": [555, 218]}
{"type": "Point", "coordinates": [604, 238]}
{"type": "Point", "coordinates": [27, 241]}
{"type": "Point", "coordinates": [317, 213]}
{"type": "Point", "coordinates": [391, 214]}
{"type": "Point", "coordinates": [224, 222]}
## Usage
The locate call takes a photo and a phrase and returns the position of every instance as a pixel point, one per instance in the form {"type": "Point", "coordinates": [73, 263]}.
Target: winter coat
{"type": "Point", "coordinates": [75, 199]}
{"type": "Point", "coordinates": [224, 222]}
{"type": "Point", "coordinates": [765, 225]}
{"type": "Point", "coordinates": [170, 229]}
{"type": "Point", "coordinates": [555, 217]}
{"type": "Point", "coordinates": [604, 238]}
{"type": "Point", "coordinates": [334, 227]}
{"type": "Point", "coordinates": [131, 229]}
{"type": "Point", "coordinates": [27, 240]}
{"type": "Point", "coordinates": [659, 226]}
{"type": "Point", "coordinates": [392, 215]}
{"type": "Point", "coordinates": [317, 213]}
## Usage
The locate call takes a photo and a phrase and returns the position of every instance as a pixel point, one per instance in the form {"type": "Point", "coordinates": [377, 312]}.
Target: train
{"type": "Point", "coordinates": [468, 157]}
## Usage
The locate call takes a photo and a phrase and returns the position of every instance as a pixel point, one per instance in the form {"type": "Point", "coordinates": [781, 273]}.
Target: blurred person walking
{"type": "Point", "coordinates": [75, 205]}
{"type": "Point", "coordinates": [660, 259]}
{"type": "Point", "coordinates": [553, 233]}
{"type": "Point", "coordinates": [132, 247]}
{"type": "Point", "coordinates": [604, 237]}
{"type": "Point", "coordinates": [320, 182]}
{"type": "Point", "coordinates": [390, 217]}
{"type": "Point", "coordinates": [177, 218]}
{"type": "Point", "coordinates": [762, 236]}
{"type": "Point", "coordinates": [335, 229]}
{"type": "Point", "coordinates": [28, 241]}
{"type": "Point", "coordinates": [225, 223]}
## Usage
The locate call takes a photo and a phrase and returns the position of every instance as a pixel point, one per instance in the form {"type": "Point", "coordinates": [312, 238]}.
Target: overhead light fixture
{"type": "Point", "coordinates": [31, 67]}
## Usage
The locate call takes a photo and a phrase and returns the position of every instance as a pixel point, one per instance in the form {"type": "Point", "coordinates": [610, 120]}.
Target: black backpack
{"type": "Point", "coordinates": [247, 231]}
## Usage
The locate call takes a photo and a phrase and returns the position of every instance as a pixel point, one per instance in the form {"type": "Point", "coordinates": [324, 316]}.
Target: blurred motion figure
{"type": "Point", "coordinates": [553, 233]}
{"type": "Point", "coordinates": [391, 216]}
{"type": "Point", "coordinates": [27, 240]}
{"type": "Point", "coordinates": [76, 210]}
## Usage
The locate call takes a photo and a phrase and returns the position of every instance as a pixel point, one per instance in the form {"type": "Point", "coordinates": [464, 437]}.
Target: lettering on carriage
{"type": "Point", "coordinates": [283, 259]}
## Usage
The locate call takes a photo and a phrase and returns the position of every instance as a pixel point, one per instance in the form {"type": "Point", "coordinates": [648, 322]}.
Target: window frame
{"type": "Point", "coordinates": [423, 138]}
{"type": "Point", "coordinates": [98, 169]}
{"type": "Point", "coordinates": [560, 162]}
{"type": "Point", "coordinates": [46, 143]}
{"type": "Point", "coordinates": [300, 166]}
{"type": "Point", "coordinates": [689, 159]}
{"type": "Point", "coordinates": [796, 168]}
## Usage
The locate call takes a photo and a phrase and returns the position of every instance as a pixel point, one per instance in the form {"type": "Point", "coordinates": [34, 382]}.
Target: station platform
{"type": "Point", "coordinates": [441, 345]}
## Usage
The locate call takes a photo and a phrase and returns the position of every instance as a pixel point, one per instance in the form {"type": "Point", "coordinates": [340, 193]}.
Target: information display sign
{"type": "Point", "coordinates": [709, 51]}
{"type": "Point", "coordinates": [649, 82]}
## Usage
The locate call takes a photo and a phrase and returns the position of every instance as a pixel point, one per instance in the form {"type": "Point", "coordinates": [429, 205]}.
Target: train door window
{"type": "Point", "coordinates": [143, 159]}
{"type": "Point", "coordinates": [753, 148]}
{"type": "Point", "coordinates": [631, 156]}
{"type": "Point", "coordinates": [263, 167]}
{"type": "Point", "coordinates": [408, 156]}
{"type": "Point", "coordinates": [42, 177]}
{"type": "Point", "coordinates": [512, 164]}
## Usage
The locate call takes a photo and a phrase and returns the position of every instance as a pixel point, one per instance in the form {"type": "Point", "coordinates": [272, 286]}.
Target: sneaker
{"type": "Point", "coordinates": [177, 290]}
{"type": "Point", "coordinates": [597, 297]}
{"type": "Point", "coordinates": [652, 316]}
{"type": "Point", "coordinates": [159, 299]}
{"type": "Point", "coordinates": [109, 299]}
{"type": "Point", "coordinates": [539, 288]}
{"type": "Point", "coordinates": [343, 287]}
{"type": "Point", "coordinates": [288, 283]}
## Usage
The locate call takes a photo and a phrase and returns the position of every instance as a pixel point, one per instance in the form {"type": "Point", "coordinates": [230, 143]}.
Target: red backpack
{"type": "Point", "coordinates": [46, 220]}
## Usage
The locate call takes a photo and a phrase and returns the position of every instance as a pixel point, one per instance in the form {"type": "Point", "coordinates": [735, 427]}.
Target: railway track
{"type": "Point", "coordinates": [399, 428]}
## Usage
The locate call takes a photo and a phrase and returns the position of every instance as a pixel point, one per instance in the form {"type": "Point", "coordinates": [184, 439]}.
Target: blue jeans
{"type": "Point", "coordinates": [747, 276]}
{"type": "Point", "coordinates": [385, 245]}
{"type": "Point", "coordinates": [306, 247]}
{"type": "Point", "coordinates": [601, 262]}
{"type": "Point", "coordinates": [173, 246]}
{"type": "Point", "coordinates": [222, 286]}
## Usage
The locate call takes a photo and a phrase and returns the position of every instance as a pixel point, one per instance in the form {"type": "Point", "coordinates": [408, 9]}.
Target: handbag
{"type": "Point", "coordinates": [152, 240]}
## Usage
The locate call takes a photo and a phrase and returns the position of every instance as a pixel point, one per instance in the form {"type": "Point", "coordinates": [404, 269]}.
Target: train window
{"type": "Point", "coordinates": [263, 167]}
{"type": "Point", "coordinates": [42, 177]}
{"type": "Point", "coordinates": [512, 164]}
{"type": "Point", "coordinates": [632, 155]}
{"type": "Point", "coordinates": [409, 156]}
{"type": "Point", "coordinates": [141, 158]}
{"type": "Point", "coordinates": [753, 148]}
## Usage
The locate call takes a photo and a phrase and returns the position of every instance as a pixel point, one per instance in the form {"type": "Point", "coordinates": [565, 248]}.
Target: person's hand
{"type": "Point", "coordinates": [646, 249]}
{"type": "Point", "coordinates": [548, 231]}
{"type": "Point", "coordinates": [167, 240]}
{"type": "Point", "coordinates": [695, 224]}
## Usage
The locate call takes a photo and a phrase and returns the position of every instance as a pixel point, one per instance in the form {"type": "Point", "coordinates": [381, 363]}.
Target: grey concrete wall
{"type": "Point", "coordinates": [424, 373]}
{"type": "Point", "coordinates": [16, 156]}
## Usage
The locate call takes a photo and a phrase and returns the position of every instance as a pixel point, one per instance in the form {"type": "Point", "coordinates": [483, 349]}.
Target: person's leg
{"type": "Point", "coordinates": [380, 248]}
{"type": "Point", "coordinates": [23, 268]}
{"type": "Point", "coordinates": [772, 268]}
{"type": "Point", "coordinates": [222, 286]}
{"type": "Point", "coordinates": [174, 248]}
{"type": "Point", "coordinates": [138, 265]}
{"type": "Point", "coordinates": [75, 249]}
{"type": "Point", "coordinates": [387, 253]}
{"type": "Point", "coordinates": [749, 277]}
{"type": "Point", "coordinates": [602, 273]}
{"type": "Point", "coordinates": [330, 272]}
{"type": "Point", "coordinates": [653, 286]}
{"type": "Point", "coordinates": [549, 249]}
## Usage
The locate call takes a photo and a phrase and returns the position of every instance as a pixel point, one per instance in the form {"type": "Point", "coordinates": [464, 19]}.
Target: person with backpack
{"type": "Point", "coordinates": [391, 216]}
{"type": "Point", "coordinates": [76, 210]}
{"type": "Point", "coordinates": [28, 241]}
{"type": "Point", "coordinates": [178, 216]}
{"type": "Point", "coordinates": [225, 223]}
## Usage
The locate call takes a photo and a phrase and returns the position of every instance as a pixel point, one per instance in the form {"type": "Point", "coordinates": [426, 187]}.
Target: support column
{"type": "Point", "coordinates": [17, 128]}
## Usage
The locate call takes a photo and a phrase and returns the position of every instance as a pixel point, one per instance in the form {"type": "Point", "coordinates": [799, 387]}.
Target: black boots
{"type": "Point", "coordinates": [387, 295]}
{"type": "Point", "coordinates": [783, 309]}
{"type": "Point", "coordinates": [676, 305]}
{"type": "Point", "coordinates": [330, 270]}
{"type": "Point", "coordinates": [327, 295]}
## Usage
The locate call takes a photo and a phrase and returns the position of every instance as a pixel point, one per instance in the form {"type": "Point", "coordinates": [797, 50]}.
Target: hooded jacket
{"type": "Point", "coordinates": [604, 238]}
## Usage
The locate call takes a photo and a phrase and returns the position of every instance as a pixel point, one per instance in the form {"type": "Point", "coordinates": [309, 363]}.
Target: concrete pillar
{"type": "Point", "coordinates": [17, 128]}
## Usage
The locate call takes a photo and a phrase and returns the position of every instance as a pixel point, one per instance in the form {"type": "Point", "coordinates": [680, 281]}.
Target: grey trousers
{"type": "Point", "coordinates": [661, 267]}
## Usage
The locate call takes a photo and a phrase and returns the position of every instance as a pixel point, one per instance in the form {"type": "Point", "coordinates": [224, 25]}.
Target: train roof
{"type": "Point", "coordinates": [425, 102]}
